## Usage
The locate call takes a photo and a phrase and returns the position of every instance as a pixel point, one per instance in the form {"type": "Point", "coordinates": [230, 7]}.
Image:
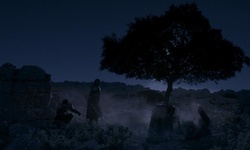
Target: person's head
{"type": "Point", "coordinates": [171, 110]}
{"type": "Point", "coordinates": [97, 82]}
{"type": "Point", "coordinates": [65, 101]}
{"type": "Point", "coordinates": [200, 109]}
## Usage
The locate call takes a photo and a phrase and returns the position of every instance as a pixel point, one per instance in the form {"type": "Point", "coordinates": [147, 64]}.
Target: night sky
{"type": "Point", "coordinates": [64, 37]}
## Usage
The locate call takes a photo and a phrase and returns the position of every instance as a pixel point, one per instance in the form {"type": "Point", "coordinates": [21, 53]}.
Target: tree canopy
{"type": "Point", "coordinates": [178, 46]}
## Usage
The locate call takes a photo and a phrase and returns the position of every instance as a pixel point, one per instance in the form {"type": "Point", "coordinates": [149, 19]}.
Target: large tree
{"type": "Point", "coordinates": [178, 46]}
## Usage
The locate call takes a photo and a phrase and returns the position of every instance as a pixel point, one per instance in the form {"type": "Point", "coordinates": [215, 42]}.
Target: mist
{"type": "Point", "coordinates": [132, 112]}
{"type": "Point", "coordinates": [131, 108]}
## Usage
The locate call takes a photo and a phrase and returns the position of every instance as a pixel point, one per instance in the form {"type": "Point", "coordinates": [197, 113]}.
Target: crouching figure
{"type": "Point", "coordinates": [62, 114]}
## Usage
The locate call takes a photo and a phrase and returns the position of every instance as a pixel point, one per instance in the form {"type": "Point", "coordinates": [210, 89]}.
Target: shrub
{"type": "Point", "coordinates": [75, 136]}
{"type": "Point", "coordinates": [235, 133]}
{"type": "Point", "coordinates": [116, 136]}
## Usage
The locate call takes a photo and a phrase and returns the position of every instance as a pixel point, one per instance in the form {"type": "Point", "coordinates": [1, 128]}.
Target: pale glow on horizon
{"type": "Point", "coordinates": [212, 87]}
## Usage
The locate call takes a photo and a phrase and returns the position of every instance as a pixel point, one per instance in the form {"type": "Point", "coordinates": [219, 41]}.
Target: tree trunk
{"type": "Point", "coordinates": [168, 93]}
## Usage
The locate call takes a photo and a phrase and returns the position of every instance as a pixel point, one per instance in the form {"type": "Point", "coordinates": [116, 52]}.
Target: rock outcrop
{"type": "Point", "coordinates": [24, 92]}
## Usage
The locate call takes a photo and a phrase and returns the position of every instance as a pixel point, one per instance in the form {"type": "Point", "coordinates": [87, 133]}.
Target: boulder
{"type": "Point", "coordinates": [7, 72]}
{"type": "Point", "coordinates": [32, 73]}
{"type": "Point", "coordinates": [23, 91]}
{"type": "Point", "coordinates": [162, 122]}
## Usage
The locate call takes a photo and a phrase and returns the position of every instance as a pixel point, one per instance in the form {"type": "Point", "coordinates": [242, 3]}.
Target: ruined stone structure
{"type": "Point", "coordinates": [24, 92]}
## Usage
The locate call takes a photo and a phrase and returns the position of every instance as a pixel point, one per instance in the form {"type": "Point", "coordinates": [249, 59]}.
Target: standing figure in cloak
{"type": "Point", "coordinates": [203, 127]}
{"type": "Point", "coordinates": [93, 109]}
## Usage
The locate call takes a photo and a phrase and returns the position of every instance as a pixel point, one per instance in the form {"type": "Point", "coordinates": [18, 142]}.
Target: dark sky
{"type": "Point", "coordinates": [64, 37]}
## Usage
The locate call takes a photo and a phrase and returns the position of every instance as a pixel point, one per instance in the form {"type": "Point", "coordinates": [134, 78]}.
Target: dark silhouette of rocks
{"type": "Point", "coordinates": [24, 92]}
